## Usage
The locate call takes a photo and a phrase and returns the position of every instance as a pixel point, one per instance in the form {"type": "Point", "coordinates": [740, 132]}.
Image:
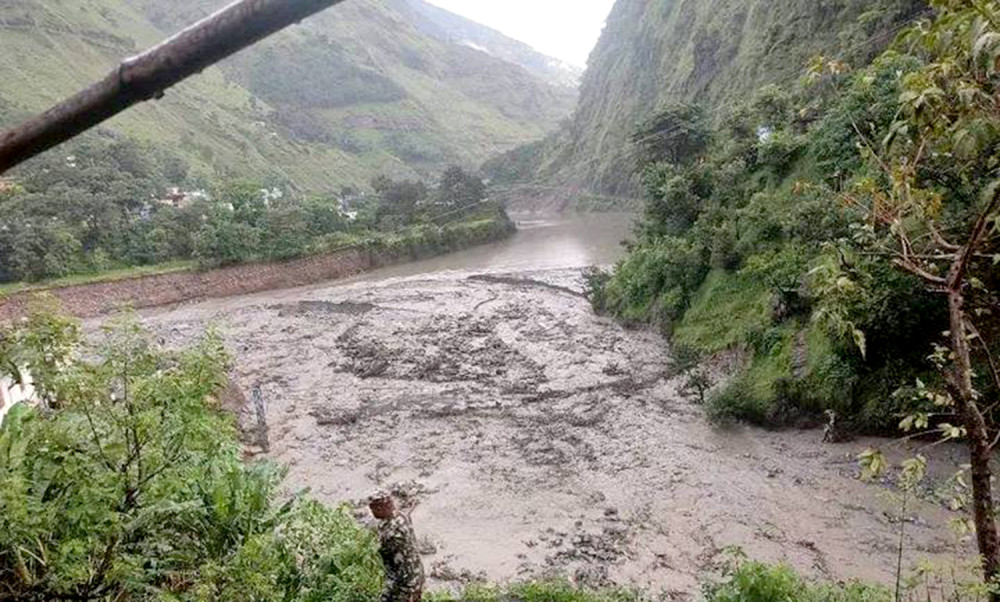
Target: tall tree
{"type": "Point", "coordinates": [932, 204]}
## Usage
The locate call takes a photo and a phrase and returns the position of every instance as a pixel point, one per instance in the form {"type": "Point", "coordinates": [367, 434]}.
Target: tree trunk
{"type": "Point", "coordinates": [980, 452]}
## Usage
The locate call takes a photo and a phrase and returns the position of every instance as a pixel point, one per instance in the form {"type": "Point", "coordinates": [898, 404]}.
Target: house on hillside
{"type": "Point", "coordinates": [7, 185]}
{"type": "Point", "coordinates": [13, 393]}
{"type": "Point", "coordinates": [181, 199]}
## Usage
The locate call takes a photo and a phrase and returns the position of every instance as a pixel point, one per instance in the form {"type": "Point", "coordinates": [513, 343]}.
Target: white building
{"type": "Point", "coordinates": [13, 393]}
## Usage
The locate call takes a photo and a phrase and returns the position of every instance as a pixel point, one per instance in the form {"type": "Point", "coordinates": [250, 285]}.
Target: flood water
{"type": "Point", "coordinates": [535, 437]}
{"type": "Point", "coordinates": [539, 244]}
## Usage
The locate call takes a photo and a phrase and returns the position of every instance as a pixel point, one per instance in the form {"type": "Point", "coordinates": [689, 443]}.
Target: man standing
{"type": "Point", "coordinates": [404, 572]}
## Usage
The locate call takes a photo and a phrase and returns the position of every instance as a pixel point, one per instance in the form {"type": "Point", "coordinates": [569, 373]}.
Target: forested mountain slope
{"type": "Point", "coordinates": [711, 52]}
{"type": "Point", "coordinates": [831, 232]}
{"type": "Point", "coordinates": [354, 92]}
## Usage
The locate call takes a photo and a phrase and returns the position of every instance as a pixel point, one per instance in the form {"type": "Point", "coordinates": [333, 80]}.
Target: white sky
{"type": "Point", "coordinates": [565, 29]}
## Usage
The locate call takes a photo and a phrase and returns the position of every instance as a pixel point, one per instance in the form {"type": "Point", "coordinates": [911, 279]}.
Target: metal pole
{"type": "Point", "coordinates": [151, 73]}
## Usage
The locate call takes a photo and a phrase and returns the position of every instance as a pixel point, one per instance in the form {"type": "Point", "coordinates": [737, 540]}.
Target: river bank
{"type": "Point", "coordinates": [538, 438]}
{"type": "Point", "coordinates": [185, 285]}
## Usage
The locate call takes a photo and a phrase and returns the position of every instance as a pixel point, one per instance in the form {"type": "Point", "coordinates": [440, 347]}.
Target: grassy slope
{"type": "Point", "coordinates": [51, 48]}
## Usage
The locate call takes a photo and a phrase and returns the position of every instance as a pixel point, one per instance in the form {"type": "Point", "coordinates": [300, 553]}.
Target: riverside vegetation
{"type": "Point", "coordinates": [95, 210]}
{"type": "Point", "coordinates": [842, 233]}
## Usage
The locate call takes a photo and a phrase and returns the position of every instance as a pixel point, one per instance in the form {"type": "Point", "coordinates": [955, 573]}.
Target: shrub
{"type": "Point", "coordinates": [739, 401]}
{"type": "Point", "coordinates": [656, 280]}
{"type": "Point", "coordinates": [779, 151]}
{"type": "Point", "coordinates": [42, 250]}
{"type": "Point", "coordinates": [869, 104]}
{"type": "Point", "coordinates": [595, 281]}
{"type": "Point", "coordinates": [130, 486]}
{"type": "Point", "coordinates": [225, 241]}
{"type": "Point", "coordinates": [747, 581]}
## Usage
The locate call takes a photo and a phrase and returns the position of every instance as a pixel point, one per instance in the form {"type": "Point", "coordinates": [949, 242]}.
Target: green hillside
{"type": "Point", "coordinates": [352, 93]}
{"type": "Point", "coordinates": [710, 52]}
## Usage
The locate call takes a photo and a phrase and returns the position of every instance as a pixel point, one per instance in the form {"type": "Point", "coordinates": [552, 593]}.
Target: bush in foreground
{"type": "Point", "coordinates": [129, 485]}
{"type": "Point", "coordinates": [748, 581]}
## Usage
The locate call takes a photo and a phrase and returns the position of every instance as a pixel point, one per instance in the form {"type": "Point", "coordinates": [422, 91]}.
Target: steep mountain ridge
{"type": "Point", "coordinates": [709, 52]}
{"type": "Point", "coordinates": [356, 91]}
{"type": "Point", "coordinates": [449, 27]}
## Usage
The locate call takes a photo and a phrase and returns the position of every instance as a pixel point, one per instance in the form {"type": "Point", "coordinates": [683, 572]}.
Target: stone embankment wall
{"type": "Point", "coordinates": [90, 300]}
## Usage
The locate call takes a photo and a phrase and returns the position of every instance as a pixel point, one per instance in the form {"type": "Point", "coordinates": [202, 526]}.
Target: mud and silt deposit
{"type": "Point", "coordinates": [536, 437]}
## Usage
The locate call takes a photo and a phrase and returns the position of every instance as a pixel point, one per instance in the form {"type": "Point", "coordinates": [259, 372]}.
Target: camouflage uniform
{"type": "Point", "coordinates": [404, 572]}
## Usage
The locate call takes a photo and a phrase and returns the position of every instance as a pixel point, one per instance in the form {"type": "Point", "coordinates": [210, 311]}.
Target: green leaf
{"type": "Point", "coordinates": [873, 464]}
{"type": "Point", "coordinates": [913, 473]}
{"type": "Point", "coordinates": [950, 432]}
{"type": "Point", "coordinates": [907, 424]}
{"type": "Point", "coordinates": [861, 341]}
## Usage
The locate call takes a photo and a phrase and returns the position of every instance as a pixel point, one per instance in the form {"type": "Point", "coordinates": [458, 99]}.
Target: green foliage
{"type": "Point", "coordinates": [595, 282]}
{"type": "Point", "coordinates": [869, 104]}
{"type": "Point", "coordinates": [131, 485]}
{"type": "Point", "coordinates": [748, 581]}
{"type": "Point", "coordinates": [677, 196]}
{"type": "Point", "coordinates": [457, 194]}
{"type": "Point", "coordinates": [42, 250]}
{"type": "Point", "coordinates": [677, 134]}
{"type": "Point", "coordinates": [655, 281]}
{"type": "Point", "coordinates": [779, 151]}
{"type": "Point", "coordinates": [772, 107]}
{"type": "Point", "coordinates": [223, 240]}
{"type": "Point", "coordinates": [457, 188]}
{"type": "Point", "coordinates": [736, 251]}
{"type": "Point", "coordinates": [317, 73]}
{"type": "Point", "coordinates": [398, 201]}
{"type": "Point", "coordinates": [783, 268]}
{"type": "Point", "coordinates": [74, 209]}
{"type": "Point", "coordinates": [287, 232]}
{"type": "Point", "coordinates": [764, 393]}
{"type": "Point", "coordinates": [724, 311]}
{"type": "Point", "coordinates": [98, 210]}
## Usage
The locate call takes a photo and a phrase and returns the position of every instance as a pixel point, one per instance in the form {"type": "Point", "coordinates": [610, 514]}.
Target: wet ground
{"type": "Point", "coordinates": [536, 437]}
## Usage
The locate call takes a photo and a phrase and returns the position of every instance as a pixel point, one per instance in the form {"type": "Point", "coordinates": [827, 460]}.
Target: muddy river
{"type": "Point", "coordinates": [535, 437]}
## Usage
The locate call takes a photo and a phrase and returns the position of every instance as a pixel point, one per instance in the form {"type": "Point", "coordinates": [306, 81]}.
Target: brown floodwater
{"type": "Point", "coordinates": [536, 437]}
{"type": "Point", "coordinates": [539, 243]}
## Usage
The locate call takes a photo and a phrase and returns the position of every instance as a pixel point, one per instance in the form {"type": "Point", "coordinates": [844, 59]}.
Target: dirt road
{"type": "Point", "coordinates": [538, 437]}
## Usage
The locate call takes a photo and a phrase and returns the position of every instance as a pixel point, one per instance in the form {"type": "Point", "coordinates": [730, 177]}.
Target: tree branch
{"type": "Point", "coordinates": [940, 239]}
{"type": "Point", "coordinates": [149, 74]}
{"type": "Point", "coordinates": [97, 438]}
{"type": "Point", "coordinates": [957, 275]}
{"type": "Point", "coordinates": [924, 275]}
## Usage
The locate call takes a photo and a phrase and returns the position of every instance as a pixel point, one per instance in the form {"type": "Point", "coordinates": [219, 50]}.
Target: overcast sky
{"type": "Point", "coordinates": [565, 29]}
